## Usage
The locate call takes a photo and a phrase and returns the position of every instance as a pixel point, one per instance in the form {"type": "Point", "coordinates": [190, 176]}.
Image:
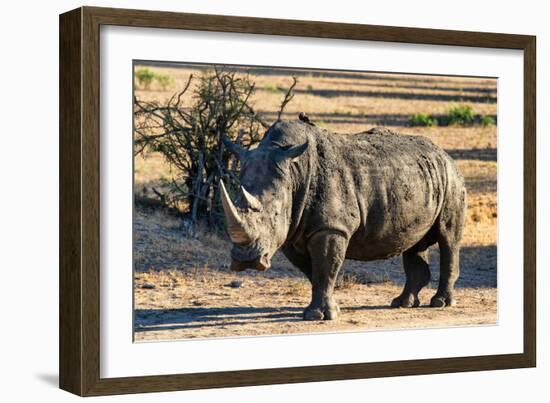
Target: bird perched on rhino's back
{"type": "Point", "coordinates": [322, 198]}
{"type": "Point", "coordinates": [304, 118]}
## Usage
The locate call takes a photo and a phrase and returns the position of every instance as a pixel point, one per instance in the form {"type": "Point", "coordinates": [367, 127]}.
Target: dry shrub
{"type": "Point", "coordinates": [190, 139]}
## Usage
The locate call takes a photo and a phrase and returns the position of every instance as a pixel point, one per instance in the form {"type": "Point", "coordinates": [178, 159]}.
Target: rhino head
{"type": "Point", "coordinates": [259, 219]}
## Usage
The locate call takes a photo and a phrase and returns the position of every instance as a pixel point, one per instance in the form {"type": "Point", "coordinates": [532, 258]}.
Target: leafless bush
{"type": "Point", "coordinates": [189, 138]}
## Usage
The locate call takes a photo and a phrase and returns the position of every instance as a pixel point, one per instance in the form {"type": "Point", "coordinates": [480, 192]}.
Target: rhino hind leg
{"type": "Point", "coordinates": [417, 270]}
{"type": "Point", "coordinates": [451, 225]}
{"type": "Point", "coordinates": [327, 251]}
{"type": "Point", "coordinates": [449, 271]}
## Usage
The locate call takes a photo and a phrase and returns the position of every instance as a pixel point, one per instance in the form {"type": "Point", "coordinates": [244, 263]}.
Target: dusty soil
{"type": "Point", "coordinates": [183, 288]}
{"type": "Point", "coordinates": [221, 304]}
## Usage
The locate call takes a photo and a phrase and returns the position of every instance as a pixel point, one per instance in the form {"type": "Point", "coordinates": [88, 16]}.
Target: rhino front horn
{"type": "Point", "coordinates": [235, 227]}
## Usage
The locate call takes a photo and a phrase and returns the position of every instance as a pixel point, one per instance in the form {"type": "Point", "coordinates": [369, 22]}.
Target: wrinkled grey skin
{"type": "Point", "coordinates": [322, 198]}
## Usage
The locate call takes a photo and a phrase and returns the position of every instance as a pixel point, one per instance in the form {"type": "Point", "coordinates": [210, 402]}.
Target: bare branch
{"type": "Point", "coordinates": [288, 97]}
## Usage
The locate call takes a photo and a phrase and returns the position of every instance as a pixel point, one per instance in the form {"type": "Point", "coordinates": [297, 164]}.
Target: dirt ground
{"type": "Point", "coordinates": [222, 304]}
{"type": "Point", "coordinates": [184, 289]}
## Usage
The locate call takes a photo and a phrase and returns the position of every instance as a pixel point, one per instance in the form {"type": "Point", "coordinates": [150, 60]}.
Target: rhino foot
{"type": "Point", "coordinates": [322, 313]}
{"type": "Point", "coordinates": [439, 301]}
{"type": "Point", "coordinates": [314, 314]}
{"type": "Point", "coordinates": [405, 301]}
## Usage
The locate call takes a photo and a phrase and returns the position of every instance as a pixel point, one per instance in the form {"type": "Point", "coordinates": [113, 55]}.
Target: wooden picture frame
{"type": "Point", "coordinates": [79, 201]}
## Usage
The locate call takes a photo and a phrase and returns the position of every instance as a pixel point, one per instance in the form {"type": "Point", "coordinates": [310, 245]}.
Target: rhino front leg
{"type": "Point", "coordinates": [327, 251]}
{"type": "Point", "coordinates": [300, 260]}
{"type": "Point", "coordinates": [417, 271]}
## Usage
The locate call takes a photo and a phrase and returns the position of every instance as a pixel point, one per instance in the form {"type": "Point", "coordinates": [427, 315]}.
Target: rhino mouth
{"type": "Point", "coordinates": [261, 263]}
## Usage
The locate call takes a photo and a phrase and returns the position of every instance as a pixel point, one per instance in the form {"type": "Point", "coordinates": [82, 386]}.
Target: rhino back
{"type": "Point", "coordinates": [382, 190]}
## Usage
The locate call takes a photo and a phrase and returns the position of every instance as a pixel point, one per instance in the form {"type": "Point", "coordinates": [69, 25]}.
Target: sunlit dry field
{"type": "Point", "coordinates": [183, 287]}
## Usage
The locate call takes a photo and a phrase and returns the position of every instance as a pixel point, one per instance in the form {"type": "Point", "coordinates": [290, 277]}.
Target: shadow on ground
{"type": "Point", "coordinates": [478, 268]}
{"type": "Point", "coordinates": [480, 154]}
{"type": "Point", "coordinates": [328, 93]}
{"type": "Point", "coordinates": [197, 317]}
{"type": "Point", "coordinates": [193, 318]}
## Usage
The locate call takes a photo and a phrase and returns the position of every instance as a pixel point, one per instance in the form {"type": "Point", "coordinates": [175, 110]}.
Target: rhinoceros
{"type": "Point", "coordinates": [322, 198]}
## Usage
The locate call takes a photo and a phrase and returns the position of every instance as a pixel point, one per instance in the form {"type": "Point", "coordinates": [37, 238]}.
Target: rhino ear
{"type": "Point", "coordinates": [294, 152]}
{"type": "Point", "coordinates": [236, 149]}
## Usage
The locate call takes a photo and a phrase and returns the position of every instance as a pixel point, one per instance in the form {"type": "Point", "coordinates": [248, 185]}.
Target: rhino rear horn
{"type": "Point", "coordinates": [235, 226]}
{"type": "Point", "coordinates": [251, 200]}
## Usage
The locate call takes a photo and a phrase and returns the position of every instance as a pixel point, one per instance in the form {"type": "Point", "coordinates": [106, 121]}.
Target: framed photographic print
{"type": "Point", "coordinates": [249, 201]}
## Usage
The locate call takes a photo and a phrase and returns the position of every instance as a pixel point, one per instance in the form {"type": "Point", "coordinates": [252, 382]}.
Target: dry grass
{"type": "Point", "coordinates": [192, 294]}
